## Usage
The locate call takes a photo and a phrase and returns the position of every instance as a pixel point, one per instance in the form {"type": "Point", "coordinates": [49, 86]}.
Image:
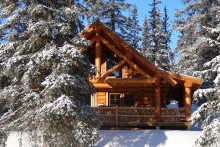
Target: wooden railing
{"type": "Point", "coordinates": [173, 115]}
{"type": "Point", "coordinates": [138, 116]}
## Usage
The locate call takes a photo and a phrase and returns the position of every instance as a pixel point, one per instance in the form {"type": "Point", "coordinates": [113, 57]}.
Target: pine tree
{"type": "Point", "coordinates": [208, 115]}
{"type": "Point", "coordinates": [154, 23]}
{"type": "Point", "coordinates": [133, 29]}
{"type": "Point", "coordinates": [145, 42]}
{"type": "Point", "coordinates": [200, 29]}
{"type": "Point", "coordinates": [199, 17]}
{"type": "Point", "coordinates": [157, 51]}
{"type": "Point", "coordinates": [44, 73]}
{"type": "Point", "coordinates": [166, 39]}
{"type": "Point", "coordinates": [111, 13]}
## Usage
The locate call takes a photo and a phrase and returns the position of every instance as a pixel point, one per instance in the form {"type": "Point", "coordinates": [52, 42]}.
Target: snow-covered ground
{"type": "Point", "coordinates": [147, 138]}
{"type": "Point", "coordinates": [134, 138]}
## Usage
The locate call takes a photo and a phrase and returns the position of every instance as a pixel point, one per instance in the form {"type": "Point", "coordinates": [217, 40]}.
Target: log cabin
{"type": "Point", "coordinates": [131, 90]}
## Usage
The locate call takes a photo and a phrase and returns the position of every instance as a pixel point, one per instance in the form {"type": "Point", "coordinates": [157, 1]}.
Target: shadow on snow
{"type": "Point", "coordinates": [132, 138]}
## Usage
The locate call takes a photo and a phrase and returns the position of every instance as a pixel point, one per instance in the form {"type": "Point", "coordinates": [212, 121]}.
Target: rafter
{"type": "Point", "coordinates": [87, 32]}
{"type": "Point", "coordinates": [121, 55]}
{"type": "Point", "coordinates": [112, 70]}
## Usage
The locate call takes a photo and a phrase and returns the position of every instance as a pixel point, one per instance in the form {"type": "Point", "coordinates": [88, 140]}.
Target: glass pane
{"type": "Point", "coordinates": [114, 100]}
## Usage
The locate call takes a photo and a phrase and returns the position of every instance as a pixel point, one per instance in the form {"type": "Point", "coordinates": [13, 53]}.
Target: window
{"type": "Point", "coordinates": [114, 99]}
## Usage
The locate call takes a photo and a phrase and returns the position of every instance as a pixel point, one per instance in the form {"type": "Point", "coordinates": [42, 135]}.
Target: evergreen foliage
{"type": "Point", "coordinates": [44, 73]}
{"type": "Point", "coordinates": [200, 17]}
{"type": "Point", "coordinates": [133, 29]}
{"type": "Point", "coordinates": [145, 43]}
{"type": "Point", "coordinates": [157, 49]}
{"type": "Point", "coordinates": [166, 39]}
{"type": "Point", "coordinates": [110, 12]}
{"type": "Point", "coordinates": [199, 49]}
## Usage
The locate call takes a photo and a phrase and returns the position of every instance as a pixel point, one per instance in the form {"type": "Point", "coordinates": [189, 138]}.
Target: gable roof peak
{"type": "Point", "coordinates": [123, 46]}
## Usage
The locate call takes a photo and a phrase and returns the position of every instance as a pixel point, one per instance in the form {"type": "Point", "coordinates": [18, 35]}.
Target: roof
{"type": "Point", "coordinates": [123, 47]}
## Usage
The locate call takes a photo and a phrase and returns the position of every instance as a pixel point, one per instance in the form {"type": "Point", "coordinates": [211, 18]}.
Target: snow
{"type": "Point", "coordinates": [147, 138]}
{"type": "Point", "coordinates": [62, 106]}
{"type": "Point", "coordinates": [135, 138]}
{"type": "Point", "coordinates": [14, 140]}
{"type": "Point", "coordinates": [173, 104]}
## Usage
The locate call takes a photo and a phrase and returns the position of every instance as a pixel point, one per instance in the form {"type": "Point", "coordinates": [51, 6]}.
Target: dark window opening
{"type": "Point", "coordinates": [129, 100]}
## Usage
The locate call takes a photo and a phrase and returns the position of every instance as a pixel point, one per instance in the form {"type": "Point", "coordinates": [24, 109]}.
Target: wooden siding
{"type": "Point", "coordinates": [101, 99]}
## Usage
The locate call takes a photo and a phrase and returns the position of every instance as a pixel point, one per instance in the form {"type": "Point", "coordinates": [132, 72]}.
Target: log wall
{"type": "Point", "coordinates": [145, 97]}
{"type": "Point", "coordinates": [102, 99]}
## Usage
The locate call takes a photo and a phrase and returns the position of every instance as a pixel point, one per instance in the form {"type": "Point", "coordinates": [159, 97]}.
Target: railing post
{"type": "Point", "coordinates": [116, 115]}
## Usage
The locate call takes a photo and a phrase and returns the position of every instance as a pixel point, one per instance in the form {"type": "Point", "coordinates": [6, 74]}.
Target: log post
{"type": "Point", "coordinates": [187, 100]}
{"type": "Point", "coordinates": [98, 55]}
{"type": "Point", "coordinates": [158, 98]}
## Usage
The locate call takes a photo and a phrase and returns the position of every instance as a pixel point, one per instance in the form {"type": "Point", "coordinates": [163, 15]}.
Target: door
{"type": "Point", "coordinates": [129, 99]}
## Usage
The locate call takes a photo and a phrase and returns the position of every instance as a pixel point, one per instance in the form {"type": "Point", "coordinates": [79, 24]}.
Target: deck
{"type": "Point", "coordinates": [141, 116]}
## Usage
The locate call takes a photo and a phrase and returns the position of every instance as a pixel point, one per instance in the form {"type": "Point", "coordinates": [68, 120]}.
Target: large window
{"type": "Point", "coordinates": [114, 99]}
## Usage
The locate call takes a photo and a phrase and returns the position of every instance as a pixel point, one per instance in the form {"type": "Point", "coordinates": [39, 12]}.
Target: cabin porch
{"type": "Point", "coordinates": [132, 106]}
{"type": "Point", "coordinates": [141, 116]}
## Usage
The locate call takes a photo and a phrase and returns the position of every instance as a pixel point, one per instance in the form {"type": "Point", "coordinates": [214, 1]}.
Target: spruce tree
{"type": "Point", "coordinates": [44, 73]}
{"type": "Point", "coordinates": [166, 39]}
{"type": "Point", "coordinates": [111, 13]}
{"type": "Point", "coordinates": [154, 24]}
{"type": "Point", "coordinates": [145, 42]}
{"type": "Point", "coordinates": [199, 56]}
{"type": "Point", "coordinates": [195, 25]}
{"type": "Point", "coordinates": [157, 51]}
{"type": "Point", "coordinates": [133, 29]}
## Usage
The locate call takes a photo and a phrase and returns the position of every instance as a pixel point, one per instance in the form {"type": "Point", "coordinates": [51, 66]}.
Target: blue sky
{"type": "Point", "coordinates": [172, 5]}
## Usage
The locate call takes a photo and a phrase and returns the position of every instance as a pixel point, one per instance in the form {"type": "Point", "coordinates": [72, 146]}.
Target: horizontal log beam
{"type": "Point", "coordinates": [173, 116]}
{"type": "Point", "coordinates": [101, 85]}
{"type": "Point", "coordinates": [129, 81]}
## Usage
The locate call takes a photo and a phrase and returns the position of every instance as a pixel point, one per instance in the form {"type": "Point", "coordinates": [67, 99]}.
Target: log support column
{"type": "Point", "coordinates": [187, 101]}
{"type": "Point", "coordinates": [158, 100]}
{"type": "Point", "coordinates": [98, 55]}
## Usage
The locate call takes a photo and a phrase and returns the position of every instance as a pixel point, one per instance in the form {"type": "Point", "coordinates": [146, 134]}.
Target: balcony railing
{"type": "Point", "coordinates": [139, 116]}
